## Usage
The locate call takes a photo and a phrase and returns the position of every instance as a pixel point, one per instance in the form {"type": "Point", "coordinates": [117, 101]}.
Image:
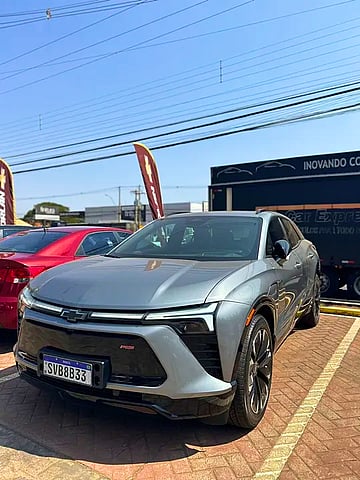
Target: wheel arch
{"type": "Point", "coordinates": [266, 308]}
{"type": "Point", "coordinates": [268, 312]}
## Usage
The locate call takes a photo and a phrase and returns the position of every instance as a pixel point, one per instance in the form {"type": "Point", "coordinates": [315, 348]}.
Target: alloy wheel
{"type": "Point", "coordinates": [259, 376]}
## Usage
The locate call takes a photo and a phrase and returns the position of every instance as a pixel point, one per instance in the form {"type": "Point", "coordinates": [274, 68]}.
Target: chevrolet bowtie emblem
{"type": "Point", "coordinates": [73, 315]}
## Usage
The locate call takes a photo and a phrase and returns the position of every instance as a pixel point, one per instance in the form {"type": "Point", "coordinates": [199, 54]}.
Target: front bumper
{"type": "Point", "coordinates": [159, 374]}
{"type": "Point", "coordinates": [179, 409]}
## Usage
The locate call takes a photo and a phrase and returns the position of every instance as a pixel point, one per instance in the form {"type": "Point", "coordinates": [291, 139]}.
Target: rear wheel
{"type": "Point", "coordinates": [253, 375]}
{"type": "Point", "coordinates": [311, 319]}
{"type": "Point", "coordinates": [353, 285]}
{"type": "Point", "coordinates": [329, 282]}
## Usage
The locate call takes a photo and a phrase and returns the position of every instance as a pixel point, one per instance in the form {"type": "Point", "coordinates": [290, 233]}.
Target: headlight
{"type": "Point", "coordinates": [26, 298]}
{"type": "Point", "coordinates": [186, 320]}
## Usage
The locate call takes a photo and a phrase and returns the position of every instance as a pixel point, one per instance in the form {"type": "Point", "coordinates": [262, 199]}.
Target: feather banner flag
{"type": "Point", "coordinates": [150, 176]}
{"type": "Point", "coordinates": [7, 196]}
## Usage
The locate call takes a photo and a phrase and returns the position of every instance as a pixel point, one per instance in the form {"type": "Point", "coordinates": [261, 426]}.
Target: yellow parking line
{"type": "Point", "coordinates": [340, 310]}
{"type": "Point", "coordinates": [9, 377]}
{"type": "Point", "coordinates": [280, 453]}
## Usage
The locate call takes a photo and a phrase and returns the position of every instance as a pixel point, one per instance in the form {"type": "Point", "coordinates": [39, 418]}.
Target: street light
{"type": "Point", "coordinates": [118, 206]}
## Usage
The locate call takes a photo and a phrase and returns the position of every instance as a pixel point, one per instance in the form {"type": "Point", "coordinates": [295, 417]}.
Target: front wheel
{"type": "Point", "coordinates": [253, 375]}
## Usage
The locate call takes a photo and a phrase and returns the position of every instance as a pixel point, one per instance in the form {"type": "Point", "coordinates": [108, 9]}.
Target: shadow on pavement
{"type": "Point", "coordinates": [7, 340]}
{"type": "Point", "coordinates": [101, 434]}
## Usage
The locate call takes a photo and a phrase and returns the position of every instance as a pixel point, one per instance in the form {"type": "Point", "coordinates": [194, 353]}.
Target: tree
{"type": "Point", "coordinates": [30, 215]}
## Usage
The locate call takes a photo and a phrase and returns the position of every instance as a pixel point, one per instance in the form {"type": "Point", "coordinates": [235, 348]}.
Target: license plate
{"type": "Point", "coordinates": [66, 369]}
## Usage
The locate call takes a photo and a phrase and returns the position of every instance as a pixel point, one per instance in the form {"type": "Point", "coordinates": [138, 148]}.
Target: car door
{"type": "Point", "coordinates": [307, 253]}
{"type": "Point", "coordinates": [289, 275]}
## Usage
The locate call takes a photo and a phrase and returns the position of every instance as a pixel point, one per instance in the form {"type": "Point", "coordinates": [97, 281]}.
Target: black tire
{"type": "Point", "coordinates": [311, 319]}
{"type": "Point", "coordinates": [329, 282]}
{"type": "Point", "coordinates": [353, 285]}
{"type": "Point", "coordinates": [253, 375]}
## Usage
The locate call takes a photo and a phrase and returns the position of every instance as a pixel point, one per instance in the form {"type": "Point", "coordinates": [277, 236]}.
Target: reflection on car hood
{"type": "Point", "coordinates": [131, 283]}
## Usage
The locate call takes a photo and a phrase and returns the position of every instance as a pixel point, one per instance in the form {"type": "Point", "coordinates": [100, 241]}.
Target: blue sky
{"type": "Point", "coordinates": [100, 68]}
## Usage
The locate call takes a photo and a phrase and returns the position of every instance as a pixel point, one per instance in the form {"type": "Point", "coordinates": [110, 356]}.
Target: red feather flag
{"type": "Point", "coordinates": [150, 176]}
{"type": "Point", "coordinates": [7, 196]}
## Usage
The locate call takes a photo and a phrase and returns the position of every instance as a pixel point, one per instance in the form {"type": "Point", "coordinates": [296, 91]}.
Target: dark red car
{"type": "Point", "coordinates": [28, 253]}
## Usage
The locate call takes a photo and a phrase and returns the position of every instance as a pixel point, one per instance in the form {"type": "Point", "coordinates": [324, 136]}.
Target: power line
{"type": "Point", "coordinates": [271, 81]}
{"type": "Point", "coordinates": [36, 12]}
{"type": "Point", "coordinates": [136, 131]}
{"type": "Point", "coordinates": [200, 139]}
{"type": "Point", "coordinates": [191, 120]}
{"type": "Point", "coordinates": [134, 29]}
{"type": "Point", "coordinates": [73, 33]}
{"type": "Point", "coordinates": [106, 55]}
{"type": "Point", "coordinates": [136, 88]}
{"type": "Point", "coordinates": [144, 42]}
{"type": "Point", "coordinates": [97, 122]}
{"type": "Point", "coordinates": [192, 128]}
{"type": "Point", "coordinates": [106, 189]}
{"type": "Point", "coordinates": [50, 13]}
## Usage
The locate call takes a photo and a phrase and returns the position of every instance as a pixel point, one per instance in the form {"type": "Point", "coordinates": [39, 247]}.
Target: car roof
{"type": "Point", "coordinates": [223, 213]}
{"type": "Point", "coordinates": [80, 228]}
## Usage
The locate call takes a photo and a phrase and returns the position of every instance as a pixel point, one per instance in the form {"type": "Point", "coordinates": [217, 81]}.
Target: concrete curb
{"type": "Point", "coordinates": [340, 310]}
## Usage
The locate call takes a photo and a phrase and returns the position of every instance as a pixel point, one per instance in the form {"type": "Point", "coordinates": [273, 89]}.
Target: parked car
{"type": "Point", "coordinates": [6, 230]}
{"type": "Point", "coordinates": [28, 253]}
{"type": "Point", "coordinates": [182, 318]}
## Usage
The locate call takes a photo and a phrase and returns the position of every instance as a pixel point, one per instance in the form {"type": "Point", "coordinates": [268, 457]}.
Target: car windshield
{"type": "Point", "coordinates": [195, 237]}
{"type": "Point", "coordinates": [29, 241]}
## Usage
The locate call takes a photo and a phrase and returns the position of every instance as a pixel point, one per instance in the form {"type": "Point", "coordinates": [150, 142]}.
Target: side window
{"type": "Point", "coordinates": [275, 232]}
{"type": "Point", "coordinates": [121, 236]}
{"type": "Point", "coordinates": [292, 234]}
{"type": "Point", "coordinates": [97, 243]}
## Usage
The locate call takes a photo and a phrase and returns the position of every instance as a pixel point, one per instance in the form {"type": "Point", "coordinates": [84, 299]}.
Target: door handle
{"type": "Point", "coordinates": [311, 255]}
{"type": "Point", "coordinates": [298, 265]}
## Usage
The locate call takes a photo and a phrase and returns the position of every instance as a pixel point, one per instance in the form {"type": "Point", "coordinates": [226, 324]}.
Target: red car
{"type": "Point", "coordinates": [26, 254]}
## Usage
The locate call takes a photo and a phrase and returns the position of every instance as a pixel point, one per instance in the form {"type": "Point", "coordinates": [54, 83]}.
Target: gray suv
{"type": "Point", "coordinates": [182, 318]}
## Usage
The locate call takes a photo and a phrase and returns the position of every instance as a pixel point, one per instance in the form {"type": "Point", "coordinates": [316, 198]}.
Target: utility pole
{"type": "Point", "coordinates": [137, 207]}
{"type": "Point", "coordinates": [119, 204]}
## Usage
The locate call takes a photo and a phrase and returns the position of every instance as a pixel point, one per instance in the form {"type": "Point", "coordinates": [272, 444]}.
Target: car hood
{"type": "Point", "coordinates": [132, 283]}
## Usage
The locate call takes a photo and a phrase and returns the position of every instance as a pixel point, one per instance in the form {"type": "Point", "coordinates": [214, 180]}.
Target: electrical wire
{"type": "Point", "coordinates": [113, 136]}
{"type": "Point", "coordinates": [70, 34]}
{"type": "Point", "coordinates": [191, 120]}
{"type": "Point", "coordinates": [334, 111]}
{"type": "Point", "coordinates": [100, 42]}
{"type": "Point", "coordinates": [53, 16]}
{"type": "Point", "coordinates": [171, 78]}
{"type": "Point", "coordinates": [146, 41]}
{"type": "Point", "coordinates": [192, 128]}
{"type": "Point", "coordinates": [97, 118]}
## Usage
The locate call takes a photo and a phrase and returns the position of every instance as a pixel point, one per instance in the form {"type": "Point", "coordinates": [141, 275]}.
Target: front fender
{"type": "Point", "coordinates": [230, 327]}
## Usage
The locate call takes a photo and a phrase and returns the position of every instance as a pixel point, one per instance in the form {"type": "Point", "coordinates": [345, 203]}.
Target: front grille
{"type": "Point", "coordinates": [137, 380]}
{"type": "Point", "coordinates": [131, 358]}
{"type": "Point", "coordinates": [30, 358]}
{"type": "Point", "coordinates": [205, 349]}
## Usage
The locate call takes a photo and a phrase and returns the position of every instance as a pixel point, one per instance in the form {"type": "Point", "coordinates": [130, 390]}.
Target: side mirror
{"type": "Point", "coordinates": [281, 249]}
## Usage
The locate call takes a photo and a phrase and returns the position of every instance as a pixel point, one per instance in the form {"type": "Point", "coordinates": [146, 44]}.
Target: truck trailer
{"type": "Point", "coordinates": [321, 193]}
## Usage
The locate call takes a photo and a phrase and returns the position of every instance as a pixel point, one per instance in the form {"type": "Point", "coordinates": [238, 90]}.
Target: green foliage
{"type": "Point", "coordinates": [30, 215]}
